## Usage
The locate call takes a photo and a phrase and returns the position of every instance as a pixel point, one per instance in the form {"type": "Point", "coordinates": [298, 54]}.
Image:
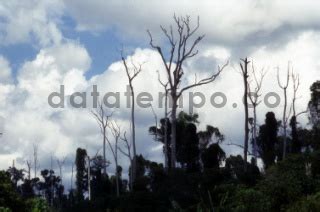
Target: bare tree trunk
{"type": "Point", "coordinates": [116, 132]}
{"type": "Point", "coordinates": [89, 178]}
{"type": "Point", "coordinates": [166, 152]}
{"type": "Point", "coordinates": [173, 132]}
{"type": "Point", "coordinates": [284, 117]}
{"type": "Point", "coordinates": [254, 94]}
{"type": "Point", "coordinates": [60, 165]}
{"type": "Point", "coordinates": [127, 154]}
{"type": "Point", "coordinates": [134, 161]}
{"type": "Point", "coordinates": [52, 189]}
{"type": "Point", "coordinates": [284, 124]}
{"type": "Point", "coordinates": [71, 186]}
{"type": "Point", "coordinates": [117, 136]}
{"type": "Point", "coordinates": [255, 132]}
{"type": "Point", "coordinates": [117, 179]}
{"type": "Point", "coordinates": [104, 151]}
{"type": "Point", "coordinates": [29, 169]}
{"type": "Point", "coordinates": [35, 159]}
{"type": "Point", "coordinates": [131, 77]}
{"type": "Point", "coordinates": [244, 69]}
{"type": "Point", "coordinates": [103, 121]}
{"type": "Point", "coordinates": [166, 158]}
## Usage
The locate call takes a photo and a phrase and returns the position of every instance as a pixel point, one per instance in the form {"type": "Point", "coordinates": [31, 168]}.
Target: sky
{"type": "Point", "coordinates": [77, 43]}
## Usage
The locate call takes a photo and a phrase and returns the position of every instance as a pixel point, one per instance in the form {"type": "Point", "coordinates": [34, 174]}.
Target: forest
{"type": "Point", "coordinates": [279, 169]}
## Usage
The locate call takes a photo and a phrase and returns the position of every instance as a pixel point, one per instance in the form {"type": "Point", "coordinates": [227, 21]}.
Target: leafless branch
{"type": "Point", "coordinates": [35, 159]}
{"type": "Point", "coordinates": [103, 120]}
{"type": "Point", "coordinates": [240, 146]}
{"type": "Point", "coordinates": [296, 84]}
{"type": "Point", "coordinates": [285, 116]}
{"type": "Point", "coordinates": [204, 80]}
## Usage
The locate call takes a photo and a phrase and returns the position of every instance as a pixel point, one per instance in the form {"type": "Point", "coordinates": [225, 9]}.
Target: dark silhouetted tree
{"type": "Point", "coordinates": [51, 187]}
{"type": "Point", "coordinates": [314, 104]}
{"type": "Point", "coordinates": [162, 135]}
{"type": "Point", "coordinates": [81, 179]}
{"type": "Point", "coordinates": [212, 156]}
{"type": "Point", "coordinates": [267, 139]}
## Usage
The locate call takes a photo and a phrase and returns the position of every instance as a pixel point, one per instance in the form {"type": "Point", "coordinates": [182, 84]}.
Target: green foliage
{"type": "Point", "coordinates": [249, 200]}
{"type": "Point", "coordinates": [38, 205]}
{"type": "Point", "coordinates": [306, 204]}
{"type": "Point", "coordinates": [9, 197]}
{"type": "Point", "coordinates": [235, 166]}
{"type": "Point", "coordinates": [3, 209]}
{"type": "Point", "coordinates": [287, 181]}
{"type": "Point", "coordinates": [315, 164]}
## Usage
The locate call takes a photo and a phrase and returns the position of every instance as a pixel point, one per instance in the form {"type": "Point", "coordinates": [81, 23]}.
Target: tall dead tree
{"type": "Point", "coordinates": [116, 133]}
{"type": "Point", "coordinates": [166, 152]}
{"type": "Point", "coordinates": [254, 95]}
{"type": "Point", "coordinates": [60, 163]}
{"type": "Point", "coordinates": [51, 181]}
{"type": "Point", "coordinates": [71, 180]}
{"type": "Point", "coordinates": [102, 119]}
{"type": "Point", "coordinates": [127, 153]}
{"type": "Point", "coordinates": [296, 85]}
{"type": "Point", "coordinates": [127, 145]}
{"type": "Point", "coordinates": [132, 72]}
{"type": "Point", "coordinates": [284, 114]}
{"type": "Point", "coordinates": [29, 165]}
{"type": "Point", "coordinates": [295, 146]}
{"type": "Point", "coordinates": [182, 46]}
{"type": "Point", "coordinates": [155, 121]}
{"type": "Point", "coordinates": [35, 159]}
{"type": "Point", "coordinates": [245, 76]}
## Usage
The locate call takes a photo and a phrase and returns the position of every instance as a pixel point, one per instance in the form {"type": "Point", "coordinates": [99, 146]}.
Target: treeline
{"type": "Point", "coordinates": [204, 180]}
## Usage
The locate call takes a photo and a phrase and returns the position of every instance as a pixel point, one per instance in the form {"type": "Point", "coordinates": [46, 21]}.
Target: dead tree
{"type": "Point", "coordinates": [295, 84]}
{"type": "Point", "coordinates": [284, 114]}
{"type": "Point", "coordinates": [166, 152]}
{"type": "Point", "coordinates": [116, 132]}
{"type": "Point", "coordinates": [245, 76]}
{"type": "Point", "coordinates": [254, 95]}
{"type": "Point", "coordinates": [127, 153]}
{"type": "Point", "coordinates": [132, 72]}
{"type": "Point", "coordinates": [71, 180]}
{"type": "Point", "coordinates": [51, 181]}
{"type": "Point", "coordinates": [295, 146]}
{"type": "Point", "coordinates": [60, 164]}
{"type": "Point", "coordinates": [155, 120]}
{"type": "Point", "coordinates": [127, 144]}
{"type": "Point", "coordinates": [29, 165]}
{"type": "Point", "coordinates": [182, 48]}
{"type": "Point", "coordinates": [35, 159]}
{"type": "Point", "coordinates": [102, 119]}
